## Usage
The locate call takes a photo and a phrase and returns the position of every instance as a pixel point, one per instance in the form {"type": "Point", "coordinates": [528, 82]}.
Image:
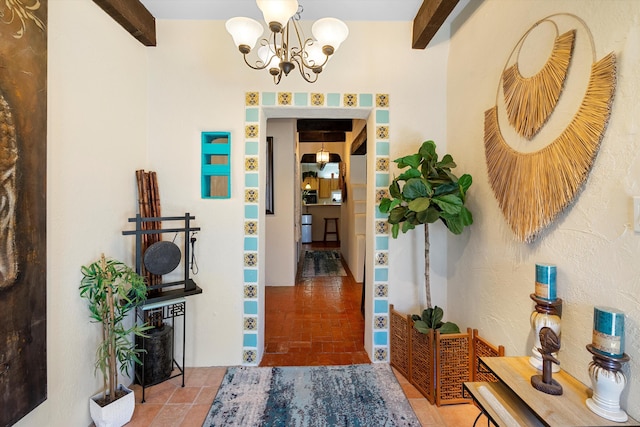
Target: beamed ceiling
{"type": "Point", "coordinates": [141, 24]}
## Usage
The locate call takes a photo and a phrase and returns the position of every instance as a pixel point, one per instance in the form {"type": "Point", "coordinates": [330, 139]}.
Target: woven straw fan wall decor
{"type": "Point", "coordinates": [532, 188]}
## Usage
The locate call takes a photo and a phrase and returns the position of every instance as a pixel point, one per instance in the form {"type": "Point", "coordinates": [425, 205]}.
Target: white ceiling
{"type": "Point", "coordinates": [347, 10]}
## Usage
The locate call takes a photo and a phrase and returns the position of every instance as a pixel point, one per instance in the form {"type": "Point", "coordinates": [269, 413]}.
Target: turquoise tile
{"type": "Point", "coordinates": [250, 243]}
{"type": "Point", "coordinates": [250, 276]}
{"type": "Point", "coordinates": [251, 211]}
{"type": "Point", "coordinates": [252, 115]}
{"type": "Point", "coordinates": [382, 117]}
{"type": "Point", "coordinates": [333, 100]}
{"type": "Point", "coordinates": [251, 148]}
{"type": "Point", "coordinates": [381, 274]}
{"type": "Point", "coordinates": [380, 338]}
{"type": "Point", "coordinates": [380, 306]}
{"type": "Point", "coordinates": [366, 100]}
{"type": "Point", "coordinates": [251, 307]}
{"type": "Point", "coordinates": [268, 98]}
{"type": "Point", "coordinates": [382, 179]}
{"type": "Point", "coordinates": [381, 215]}
{"type": "Point", "coordinates": [251, 180]}
{"type": "Point", "coordinates": [300, 99]}
{"type": "Point", "coordinates": [382, 243]}
{"type": "Point", "coordinates": [250, 340]}
{"type": "Point", "coordinates": [382, 148]}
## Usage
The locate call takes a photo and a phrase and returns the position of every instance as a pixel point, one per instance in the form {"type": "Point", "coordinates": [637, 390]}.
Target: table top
{"type": "Point", "coordinates": [568, 409]}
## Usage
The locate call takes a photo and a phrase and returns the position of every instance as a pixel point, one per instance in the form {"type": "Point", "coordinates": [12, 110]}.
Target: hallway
{"type": "Point", "coordinates": [316, 322]}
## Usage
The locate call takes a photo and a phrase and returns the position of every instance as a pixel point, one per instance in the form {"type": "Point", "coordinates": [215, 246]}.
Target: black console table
{"type": "Point", "coordinates": [167, 310]}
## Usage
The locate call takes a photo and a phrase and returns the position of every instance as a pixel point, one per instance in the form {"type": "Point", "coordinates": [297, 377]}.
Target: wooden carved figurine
{"type": "Point", "coordinates": [549, 343]}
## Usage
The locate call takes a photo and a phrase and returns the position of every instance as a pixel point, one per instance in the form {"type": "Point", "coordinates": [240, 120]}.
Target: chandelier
{"type": "Point", "coordinates": [278, 53]}
{"type": "Point", "coordinates": [322, 157]}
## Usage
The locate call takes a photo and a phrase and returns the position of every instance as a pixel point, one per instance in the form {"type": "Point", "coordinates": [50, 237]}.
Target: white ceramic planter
{"type": "Point", "coordinates": [115, 414]}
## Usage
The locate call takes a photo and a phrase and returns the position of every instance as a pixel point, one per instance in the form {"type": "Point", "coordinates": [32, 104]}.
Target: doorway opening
{"type": "Point", "coordinates": [318, 320]}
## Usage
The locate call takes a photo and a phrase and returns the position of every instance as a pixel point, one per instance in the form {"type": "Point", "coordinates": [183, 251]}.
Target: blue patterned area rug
{"type": "Point", "coordinates": [322, 263]}
{"type": "Point", "coordinates": [318, 396]}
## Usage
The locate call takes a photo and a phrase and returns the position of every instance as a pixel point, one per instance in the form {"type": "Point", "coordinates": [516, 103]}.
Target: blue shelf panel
{"type": "Point", "coordinates": [216, 165]}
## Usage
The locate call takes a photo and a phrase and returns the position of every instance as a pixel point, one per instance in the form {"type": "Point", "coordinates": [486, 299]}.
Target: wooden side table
{"type": "Point", "coordinates": [519, 401]}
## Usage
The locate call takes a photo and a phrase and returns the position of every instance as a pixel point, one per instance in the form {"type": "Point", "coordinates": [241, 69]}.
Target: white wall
{"type": "Point", "coordinates": [592, 242]}
{"type": "Point", "coordinates": [281, 258]}
{"type": "Point", "coordinates": [116, 106]}
{"type": "Point", "coordinates": [97, 138]}
{"type": "Point", "coordinates": [198, 82]}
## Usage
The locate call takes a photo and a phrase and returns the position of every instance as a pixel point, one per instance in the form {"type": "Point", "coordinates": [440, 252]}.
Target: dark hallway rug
{"type": "Point", "coordinates": [322, 263]}
{"type": "Point", "coordinates": [295, 396]}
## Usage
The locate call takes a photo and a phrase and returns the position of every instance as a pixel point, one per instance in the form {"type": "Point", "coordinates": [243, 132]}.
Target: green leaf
{"type": "Point", "coordinates": [436, 315]}
{"type": "Point", "coordinates": [453, 223]}
{"type": "Point", "coordinates": [407, 225]}
{"type": "Point", "coordinates": [450, 187]}
{"type": "Point", "coordinates": [449, 328]}
{"type": "Point", "coordinates": [397, 214]}
{"type": "Point", "coordinates": [420, 204]}
{"type": "Point", "coordinates": [449, 203]}
{"type": "Point", "coordinates": [410, 173]}
{"type": "Point", "coordinates": [415, 188]}
{"type": "Point", "coordinates": [426, 316]}
{"type": "Point", "coordinates": [421, 327]}
{"type": "Point", "coordinates": [394, 189]}
{"type": "Point", "coordinates": [466, 216]}
{"type": "Point", "coordinates": [413, 160]}
{"type": "Point", "coordinates": [415, 317]}
{"type": "Point", "coordinates": [465, 182]}
{"type": "Point", "coordinates": [385, 205]}
{"type": "Point", "coordinates": [395, 228]}
{"type": "Point", "coordinates": [428, 151]}
{"type": "Point", "coordinates": [446, 162]}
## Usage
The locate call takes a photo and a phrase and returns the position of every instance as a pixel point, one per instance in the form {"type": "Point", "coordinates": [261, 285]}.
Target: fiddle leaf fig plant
{"type": "Point", "coordinates": [113, 289]}
{"type": "Point", "coordinates": [432, 319]}
{"type": "Point", "coordinates": [427, 191]}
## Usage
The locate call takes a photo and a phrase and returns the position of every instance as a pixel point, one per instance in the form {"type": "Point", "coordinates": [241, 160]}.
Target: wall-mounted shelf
{"type": "Point", "coordinates": [216, 165]}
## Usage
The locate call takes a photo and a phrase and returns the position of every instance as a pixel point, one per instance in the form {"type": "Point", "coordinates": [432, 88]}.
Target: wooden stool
{"type": "Point", "coordinates": [335, 226]}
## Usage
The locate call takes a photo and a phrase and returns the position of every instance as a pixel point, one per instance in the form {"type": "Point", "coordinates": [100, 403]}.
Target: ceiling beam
{"type": "Point", "coordinates": [359, 144]}
{"type": "Point", "coordinates": [134, 17]}
{"type": "Point", "coordinates": [315, 136]}
{"type": "Point", "coordinates": [327, 125]}
{"type": "Point", "coordinates": [429, 19]}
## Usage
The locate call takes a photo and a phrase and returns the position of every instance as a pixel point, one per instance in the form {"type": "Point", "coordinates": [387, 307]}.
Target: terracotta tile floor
{"type": "Point", "coordinates": [316, 322]}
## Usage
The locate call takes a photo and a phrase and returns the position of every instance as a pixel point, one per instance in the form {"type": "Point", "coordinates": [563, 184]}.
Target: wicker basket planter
{"type": "Point", "coordinates": [399, 340]}
{"type": "Point", "coordinates": [436, 364]}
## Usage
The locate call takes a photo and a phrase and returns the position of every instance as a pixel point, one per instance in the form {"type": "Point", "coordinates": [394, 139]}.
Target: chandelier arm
{"type": "Point", "coordinates": [255, 67]}
{"type": "Point", "coordinates": [306, 75]}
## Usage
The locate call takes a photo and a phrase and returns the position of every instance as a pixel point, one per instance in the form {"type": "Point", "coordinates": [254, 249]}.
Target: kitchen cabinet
{"type": "Point", "coordinates": [326, 186]}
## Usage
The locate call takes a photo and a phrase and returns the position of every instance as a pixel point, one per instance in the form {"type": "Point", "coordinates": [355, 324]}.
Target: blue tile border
{"type": "Point", "coordinates": [254, 101]}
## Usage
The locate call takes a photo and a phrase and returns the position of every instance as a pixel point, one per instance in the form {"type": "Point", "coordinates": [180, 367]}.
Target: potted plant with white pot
{"type": "Point", "coordinates": [113, 289]}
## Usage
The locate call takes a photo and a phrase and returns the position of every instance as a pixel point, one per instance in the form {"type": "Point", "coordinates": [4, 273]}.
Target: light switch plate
{"type": "Point", "coordinates": [636, 214]}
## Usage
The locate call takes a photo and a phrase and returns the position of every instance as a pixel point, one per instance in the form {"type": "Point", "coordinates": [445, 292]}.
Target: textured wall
{"type": "Point", "coordinates": [593, 244]}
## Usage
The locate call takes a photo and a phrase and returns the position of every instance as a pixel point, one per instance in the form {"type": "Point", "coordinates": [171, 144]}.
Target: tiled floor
{"type": "Point", "coordinates": [316, 322]}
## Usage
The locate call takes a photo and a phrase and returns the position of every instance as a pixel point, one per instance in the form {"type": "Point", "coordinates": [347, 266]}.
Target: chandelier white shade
{"type": "Point", "coordinates": [245, 31]}
{"type": "Point", "coordinates": [322, 157]}
{"type": "Point", "coordinates": [277, 11]}
{"type": "Point", "coordinates": [284, 50]}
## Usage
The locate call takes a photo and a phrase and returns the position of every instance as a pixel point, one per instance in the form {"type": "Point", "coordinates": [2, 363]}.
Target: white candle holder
{"type": "Point", "coordinates": [546, 314]}
{"type": "Point", "coordinates": [608, 382]}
